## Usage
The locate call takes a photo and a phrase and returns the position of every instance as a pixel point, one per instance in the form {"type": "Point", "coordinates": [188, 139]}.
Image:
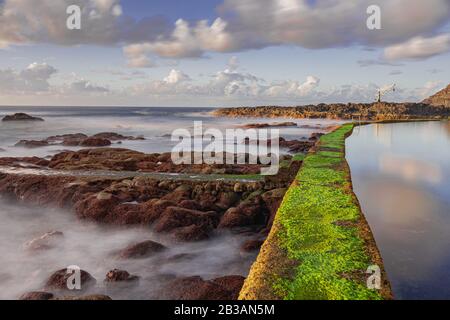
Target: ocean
{"type": "Point", "coordinates": [156, 124]}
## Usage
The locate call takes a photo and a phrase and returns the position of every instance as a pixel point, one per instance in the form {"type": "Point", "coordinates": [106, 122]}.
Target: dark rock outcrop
{"type": "Point", "coordinates": [140, 250]}
{"type": "Point", "coordinates": [112, 136]}
{"type": "Point", "coordinates": [269, 125]}
{"type": "Point", "coordinates": [36, 295]}
{"type": "Point", "coordinates": [442, 98]}
{"type": "Point", "coordinates": [47, 241]}
{"type": "Point", "coordinates": [31, 144]}
{"type": "Point", "coordinates": [21, 117]}
{"type": "Point", "coordinates": [59, 279]}
{"type": "Point", "coordinates": [195, 288]}
{"type": "Point", "coordinates": [174, 217]}
{"type": "Point", "coordinates": [102, 139]}
{"type": "Point", "coordinates": [95, 142]}
{"type": "Point", "coordinates": [362, 111]}
{"type": "Point", "coordinates": [252, 245]}
{"type": "Point", "coordinates": [93, 297]}
{"type": "Point", "coordinates": [120, 276]}
{"type": "Point", "coordinates": [249, 213]}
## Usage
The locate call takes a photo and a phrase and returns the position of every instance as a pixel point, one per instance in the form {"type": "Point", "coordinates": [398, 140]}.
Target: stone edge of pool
{"type": "Point", "coordinates": [320, 245]}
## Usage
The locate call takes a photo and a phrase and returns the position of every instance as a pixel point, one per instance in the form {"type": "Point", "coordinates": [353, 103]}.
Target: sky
{"type": "Point", "coordinates": [221, 52]}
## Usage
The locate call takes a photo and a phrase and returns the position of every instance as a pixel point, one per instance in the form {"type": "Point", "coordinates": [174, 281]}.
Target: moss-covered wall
{"type": "Point", "coordinates": [320, 245]}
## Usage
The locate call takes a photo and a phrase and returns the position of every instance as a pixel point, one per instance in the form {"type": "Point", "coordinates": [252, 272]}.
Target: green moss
{"type": "Point", "coordinates": [299, 157]}
{"type": "Point", "coordinates": [329, 255]}
{"type": "Point", "coordinates": [285, 164]}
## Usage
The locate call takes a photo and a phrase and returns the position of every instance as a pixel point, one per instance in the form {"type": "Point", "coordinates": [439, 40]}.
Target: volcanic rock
{"type": "Point", "coordinates": [269, 125]}
{"type": "Point", "coordinates": [116, 275]}
{"type": "Point", "coordinates": [248, 213]}
{"type": "Point", "coordinates": [252, 245]}
{"type": "Point", "coordinates": [192, 233]}
{"type": "Point", "coordinates": [195, 288]}
{"type": "Point", "coordinates": [95, 142]}
{"type": "Point", "coordinates": [141, 250]}
{"type": "Point", "coordinates": [174, 217]}
{"type": "Point", "coordinates": [112, 136]}
{"type": "Point", "coordinates": [93, 297]}
{"type": "Point", "coordinates": [31, 143]}
{"type": "Point", "coordinates": [442, 98]}
{"type": "Point", "coordinates": [47, 241]}
{"type": "Point", "coordinates": [58, 280]}
{"type": "Point", "coordinates": [36, 295]}
{"type": "Point", "coordinates": [21, 117]}
{"type": "Point", "coordinates": [315, 136]}
{"type": "Point", "coordinates": [272, 200]}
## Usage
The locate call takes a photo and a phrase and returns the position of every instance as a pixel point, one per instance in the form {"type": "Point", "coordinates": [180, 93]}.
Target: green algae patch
{"type": "Point", "coordinates": [320, 245]}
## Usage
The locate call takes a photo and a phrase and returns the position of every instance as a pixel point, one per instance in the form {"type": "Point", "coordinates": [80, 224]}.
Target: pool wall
{"type": "Point", "coordinates": [320, 246]}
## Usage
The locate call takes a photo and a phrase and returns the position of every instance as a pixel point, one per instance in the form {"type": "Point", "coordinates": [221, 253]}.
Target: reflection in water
{"type": "Point", "coordinates": [383, 134]}
{"type": "Point", "coordinates": [403, 186]}
{"type": "Point", "coordinates": [410, 169]}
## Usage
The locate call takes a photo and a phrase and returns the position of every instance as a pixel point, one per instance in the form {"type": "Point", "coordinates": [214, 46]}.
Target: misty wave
{"type": "Point", "coordinates": [90, 246]}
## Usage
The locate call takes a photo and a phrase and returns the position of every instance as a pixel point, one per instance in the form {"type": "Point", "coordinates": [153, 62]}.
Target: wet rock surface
{"type": "Point", "coordinates": [441, 98]}
{"type": "Point", "coordinates": [118, 276]}
{"type": "Point", "coordinates": [31, 144]}
{"type": "Point", "coordinates": [118, 159]}
{"type": "Point", "coordinates": [102, 139]}
{"type": "Point", "coordinates": [363, 111]}
{"type": "Point", "coordinates": [24, 162]}
{"type": "Point", "coordinates": [140, 250]}
{"type": "Point", "coordinates": [21, 117]}
{"type": "Point", "coordinates": [181, 211]}
{"type": "Point", "coordinates": [252, 245]}
{"type": "Point", "coordinates": [186, 210]}
{"type": "Point", "coordinates": [36, 295]}
{"type": "Point", "coordinates": [59, 280]}
{"type": "Point", "coordinates": [196, 288]}
{"type": "Point", "coordinates": [293, 146]}
{"type": "Point", "coordinates": [94, 297]}
{"type": "Point", "coordinates": [269, 125]}
{"type": "Point", "coordinates": [47, 241]}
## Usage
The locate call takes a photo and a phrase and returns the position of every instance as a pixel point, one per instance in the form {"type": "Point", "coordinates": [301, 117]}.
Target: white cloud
{"type": "Point", "coordinates": [102, 23]}
{"type": "Point", "coordinates": [176, 76]}
{"type": "Point", "coordinates": [240, 25]}
{"type": "Point", "coordinates": [34, 81]}
{"type": "Point", "coordinates": [325, 23]}
{"type": "Point", "coordinates": [430, 88]}
{"type": "Point", "coordinates": [419, 48]}
{"type": "Point", "coordinates": [233, 63]}
{"type": "Point", "coordinates": [34, 78]}
{"type": "Point", "coordinates": [137, 57]}
{"type": "Point", "coordinates": [229, 83]}
{"type": "Point", "coordinates": [185, 41]}
{"type": "Point", "coordinates": [256, 24]}
{"type": "Point", "coordinates": [293, 88]}
{"type": "Point", "coordinates": [85, 86]}
{"type": "Point", "coordinates": [26, 21]}
{"type": "Point", "coordinates": [227, 87]}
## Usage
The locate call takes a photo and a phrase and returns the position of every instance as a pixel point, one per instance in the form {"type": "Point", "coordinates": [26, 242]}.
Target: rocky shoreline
{"type": "Point", "coordinates": [350, 111]}
{"type": "Point", "coordinates": [180, 210]}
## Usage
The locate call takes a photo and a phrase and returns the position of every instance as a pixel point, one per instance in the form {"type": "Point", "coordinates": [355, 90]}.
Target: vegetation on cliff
{"type": "Point", "coordinates": [320, 245]}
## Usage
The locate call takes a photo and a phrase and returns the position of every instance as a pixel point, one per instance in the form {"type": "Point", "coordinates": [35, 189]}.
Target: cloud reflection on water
{"type": "Point", "coordinates": [410, 169]}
